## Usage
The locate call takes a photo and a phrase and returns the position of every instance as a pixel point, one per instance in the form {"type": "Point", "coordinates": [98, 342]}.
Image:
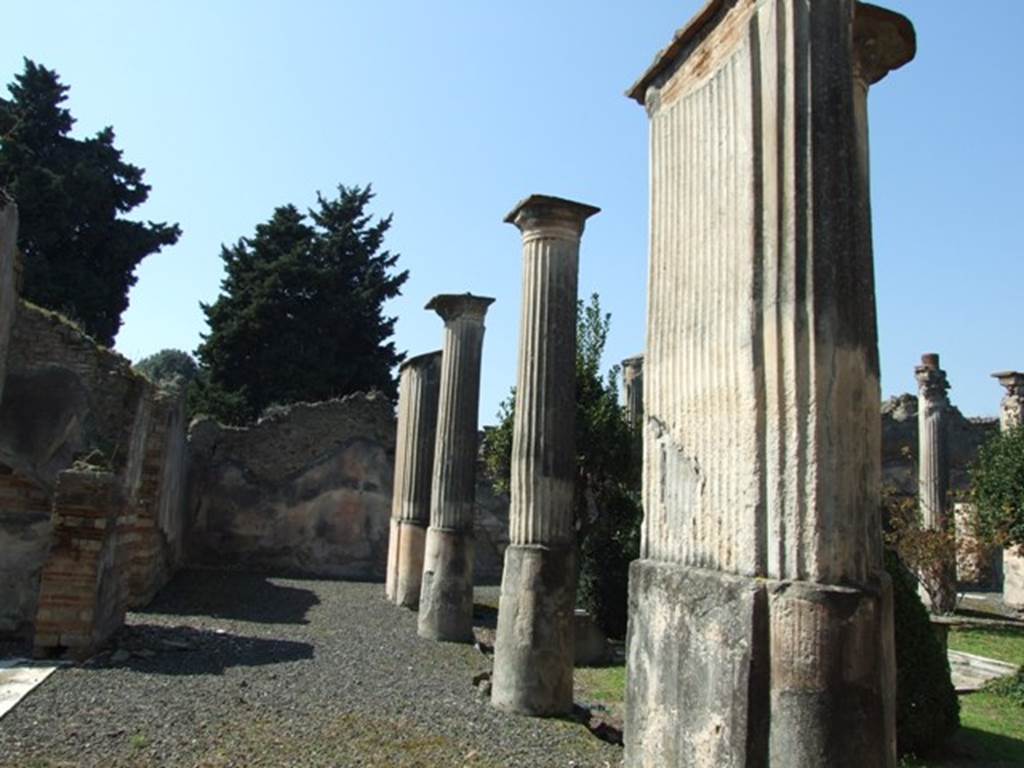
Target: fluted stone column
{"type": "Point", "coordinates": [633, 386]}
{"type": "Point", "coordinates": [8, 290]}
{"type": "Point", "coordinates": [419, 386]}
{"type": "Point", "coordinates": [446, 596]}
{"type": "Point", "coordinates": [933, 474]}
{"type": "Point", "coordinates": [760, 627]}
{"type": "Point", "coordinates": [534, 646]}
{"type": "Point", "coordinates": [1011, 416]}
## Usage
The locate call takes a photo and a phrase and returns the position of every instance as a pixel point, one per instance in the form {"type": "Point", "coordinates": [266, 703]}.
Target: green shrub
{"type": "Point", "coordinates": [927, 710]}
{"type": "Point", "coordinates": [997, 487]}
{"type": "Point", "coordinates": [1012, 687]}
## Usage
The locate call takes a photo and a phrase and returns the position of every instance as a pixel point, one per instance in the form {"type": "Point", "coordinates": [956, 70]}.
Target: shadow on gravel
{"type": "Point", "coordinates": [157, 649]}
{"type": "Point", "coordinates": [232, 595]}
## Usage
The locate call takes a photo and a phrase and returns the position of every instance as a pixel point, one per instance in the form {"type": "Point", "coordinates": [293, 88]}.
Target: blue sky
{"type": "Point", "coordinates": [455, 110]}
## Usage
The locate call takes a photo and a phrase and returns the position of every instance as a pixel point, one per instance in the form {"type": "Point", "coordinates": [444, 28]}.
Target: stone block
{"type": "Point", "coordinates": [735, 671]}
{"type": "Point", "coordinates": [697, 690]}
{"type": "Point", "coordinates": [534, 646]}
{"type": "Point", "coordinates": [446, 597]}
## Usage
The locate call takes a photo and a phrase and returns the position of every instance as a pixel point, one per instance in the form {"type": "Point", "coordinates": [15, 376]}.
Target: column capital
{"type": "Point", "coordinates": [546, 216]}
{"type": "Point", "coordinates": [420, 361]}
{"type": "Point", "coordinates": [454, 305]}
{"type": "Point", "coordinates": [883, 40]}
{"type": "Point", "coordinates": [636, 361]}
{"type": "Point", "coordinates": [1012, 380]}
{"type": "Point", "coordinates": [931, 379]}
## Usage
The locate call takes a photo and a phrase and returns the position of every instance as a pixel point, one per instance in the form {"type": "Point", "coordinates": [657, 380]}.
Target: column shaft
{"type": "Point", "coordinates": [446, 594]}
{"type": "Point", "coordinates": [534, 647]}
{"type": "Point", "coordinates": [418, 390]}
{"type": "Point", "coordinates": [938, 579]}
{"type": "Point", "coordinates": [8, 289]}
{"type": "Point", "coordinates": [633, 386]}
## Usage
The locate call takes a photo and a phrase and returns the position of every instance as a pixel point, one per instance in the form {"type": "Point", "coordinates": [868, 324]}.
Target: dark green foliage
{"type": "Point", "coordinates": [607, 507]}
{"type": "Point", "coordinates": [997, 488]}
{"type": "Point", "coordinates": [1012, 687]}
{"type": "Point", "coordinates": [300, 317]}
{"type": "Point", "coordinates": [927, 710]}
{"type": "Point", "coordinates": [80, 255]}
{"type": "Point", "coordinates": [168, 366]}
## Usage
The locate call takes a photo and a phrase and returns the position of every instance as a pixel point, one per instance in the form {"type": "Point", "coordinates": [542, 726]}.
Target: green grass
{"type": "Point", "coordinates": [1001, 644]}
{"type": "Point", "coordinates": [992, 726]}
{"type": "Point", "coordinates": [606, 685]}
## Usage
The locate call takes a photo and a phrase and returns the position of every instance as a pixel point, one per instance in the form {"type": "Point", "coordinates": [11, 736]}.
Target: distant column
{"type": "Point", "coordinates": [1011, 409]}
{"type": "Point", "coordinates": [533, 656]}
{"type": "Point", "coordinates": [418, 389]}
{"type": "Point", "coordinates": [633, 385]}
{"type": "Point", "coordinates": [8, 291]}
{"type": "Point", "coordinates": [1011, 416]}
{"type": "Point", "coordinates": [446, 596]}
{"type": "Point", "coordinates": [933, 473]}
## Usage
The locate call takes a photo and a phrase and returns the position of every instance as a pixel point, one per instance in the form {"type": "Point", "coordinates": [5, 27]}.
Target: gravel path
{"type": "Point", "coordinates": [230, 669]}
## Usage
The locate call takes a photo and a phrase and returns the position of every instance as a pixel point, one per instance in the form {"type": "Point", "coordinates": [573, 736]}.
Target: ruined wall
{"type": "Point", "coordinates": [69, 403]}
{"type": "Point", "coordinates": [308, 490]}
{"type": "Point", "coordinates": [899, 445]}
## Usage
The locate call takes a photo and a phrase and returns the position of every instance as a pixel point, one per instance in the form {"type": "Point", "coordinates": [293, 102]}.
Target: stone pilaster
{"type": "Point", "coordinates": [534, 646]}
{"type": "Point", "coordinates": [933, 474]}
{"type": "Point", "coordinates": [419, 386]}
{"type": "Point", "coordinates": [633, 389]}
{"type": "Point", "coordinates": [1011, 416]}
{"type": "Point", "coordinates": [446, 595]}
{"type": "Point", "coordinates": [8, 289]}
{"type": "Point", "coordinates": [761, 557]}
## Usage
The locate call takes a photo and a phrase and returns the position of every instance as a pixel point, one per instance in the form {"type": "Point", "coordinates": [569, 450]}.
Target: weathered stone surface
{"type": "Point", "coordinates": [535, 637]}
{"type": "Point", "coordinates": [900, 445]}
{"type": "Point", "coordinates": [307, 489]}
{"type": "Point", "coordinates": [418, 391]}
{"type": "Point", "coordinates": [833, 675]}
{"type": "Point", "coordinates": [933, 474]}
{"type": "Point", "coordinates": [1011, 407]}
{"type": "Point", "coordinates": [70, 401]}
{"type": "Point", "coordinates": [8, 290]}
{"type": "Point", "coordinates": [445, 613]}
{"type": "Point", "coordinates": [1011, 416]}
{"type": "Point", "coordinates": [533, 653]}
{"type": "Point", "coordinates": [591, 643]}
{"type": "Point", "coordinates": [1013, 578]}
{"type": "Point", "coordinates": [697, 655]}
{"type": "Point", "coordinates": [446, 599]}
{"type": "Point", "coordinates": [633, 387]}
{"type": "Point", "coordinates": [761, 387]}
{"type": "Point", "coordinates": [756, 672]}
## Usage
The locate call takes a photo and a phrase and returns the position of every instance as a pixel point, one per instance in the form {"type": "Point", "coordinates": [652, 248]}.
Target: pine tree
{"type": "Point", "coordinates": [80, 255]}
{"type": "Point", "coordinates": [300, 315]}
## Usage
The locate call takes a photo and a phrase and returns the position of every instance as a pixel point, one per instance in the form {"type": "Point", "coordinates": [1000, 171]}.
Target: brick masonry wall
{"type": "Point", "coordinates": [82, 593]}
{"type": "Point", "coordinates": [66, 398]}
{"type": "Point", "coordinates": [25, 531]}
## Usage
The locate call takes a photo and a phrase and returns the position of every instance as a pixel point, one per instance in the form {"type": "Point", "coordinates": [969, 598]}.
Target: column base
{"type": "Point", "coordinates": [412, 542]}
{"type": "Point", "coordinates": [446, 595]}
{"type": "Point", "coordinates": [736, 671]}
{"type": "Point", "coordinates": [391, 578]}
{"type": "Point", "coordinates": [535, 646]}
